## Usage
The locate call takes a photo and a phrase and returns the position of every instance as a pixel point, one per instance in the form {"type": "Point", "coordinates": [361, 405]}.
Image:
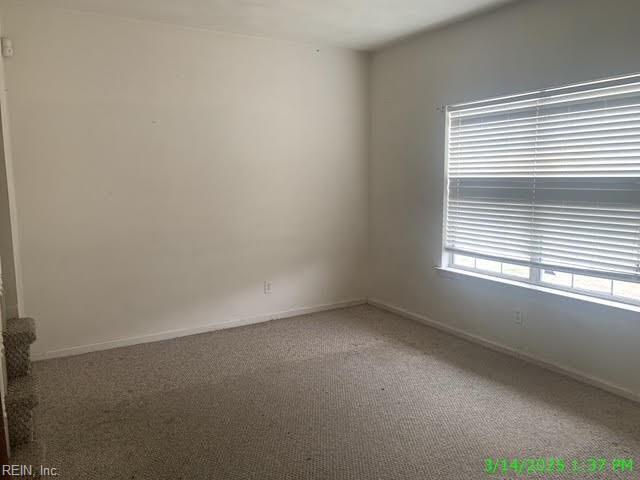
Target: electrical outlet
{"type": "Point", "coordinates": [267, 287]}
{"type": "Point", "coordinates": [518, 317]}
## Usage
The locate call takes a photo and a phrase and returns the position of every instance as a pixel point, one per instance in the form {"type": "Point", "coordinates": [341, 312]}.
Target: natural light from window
{"type": "Point", "coordinates": [544, 188]}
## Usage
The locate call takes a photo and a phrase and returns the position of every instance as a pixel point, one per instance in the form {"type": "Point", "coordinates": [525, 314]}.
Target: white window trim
{"type": "Point", "coordinates": [538, 290]}
{"type": "Point", "coordinates": [534, 282]}
{"type": "Point", "coordinates": [535, 272]}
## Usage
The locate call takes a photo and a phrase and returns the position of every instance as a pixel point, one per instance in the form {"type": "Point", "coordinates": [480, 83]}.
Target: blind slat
{"type": "Point", "coordinates": [602, 114]}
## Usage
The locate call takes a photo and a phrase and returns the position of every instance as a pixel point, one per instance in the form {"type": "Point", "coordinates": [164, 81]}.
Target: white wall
{"type": "Point", "coordinates": [163, 173]}
{"type": "Point", "coordinates": [529, 45]}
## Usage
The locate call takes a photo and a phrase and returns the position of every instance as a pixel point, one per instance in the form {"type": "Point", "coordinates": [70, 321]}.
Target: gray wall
{"type": "Point", "coordinates": [525, 46]}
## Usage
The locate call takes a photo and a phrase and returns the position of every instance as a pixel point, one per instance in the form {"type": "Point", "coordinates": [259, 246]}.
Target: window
{"type": "Point", "coordinates": [545, 188]}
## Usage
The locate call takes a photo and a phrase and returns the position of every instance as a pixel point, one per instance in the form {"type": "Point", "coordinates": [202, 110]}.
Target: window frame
{"type": "Point", "coordinates": [535, 272]}
{"type": "Point", "coordinates": [534, 280]}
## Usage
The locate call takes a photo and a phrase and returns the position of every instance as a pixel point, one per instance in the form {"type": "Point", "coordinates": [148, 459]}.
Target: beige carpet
{"type": "Point", "coordinates": [356, 393]}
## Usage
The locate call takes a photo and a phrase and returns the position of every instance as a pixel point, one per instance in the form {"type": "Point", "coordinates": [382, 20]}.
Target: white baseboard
{"type": "Point", "coordinates": [167, 335]}
{"type": "Point", "coordinates": [554, 367]}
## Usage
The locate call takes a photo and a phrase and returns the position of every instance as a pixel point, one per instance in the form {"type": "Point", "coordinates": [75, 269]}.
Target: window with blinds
{"type": "Point", "coordinates": [548, 183]}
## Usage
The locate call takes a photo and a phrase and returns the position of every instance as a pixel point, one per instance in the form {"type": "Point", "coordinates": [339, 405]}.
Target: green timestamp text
{"type": "Point", "coordinates": [551, 465]}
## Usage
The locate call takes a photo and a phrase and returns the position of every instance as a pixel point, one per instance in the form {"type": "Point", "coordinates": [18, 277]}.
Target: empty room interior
{"type": "Point", "coordinates": [304, 239]}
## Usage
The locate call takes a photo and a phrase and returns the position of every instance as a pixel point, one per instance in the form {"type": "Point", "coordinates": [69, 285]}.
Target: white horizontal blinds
{"type": "Point", "coordinates": [550, 179]}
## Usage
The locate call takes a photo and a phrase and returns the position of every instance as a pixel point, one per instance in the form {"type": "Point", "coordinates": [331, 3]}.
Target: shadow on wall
{"type": "Point", "coordinates": [6, 241]}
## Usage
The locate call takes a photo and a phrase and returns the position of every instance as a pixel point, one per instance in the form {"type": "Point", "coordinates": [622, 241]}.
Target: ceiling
{"type": "Point", "coordinates": [358, 24]}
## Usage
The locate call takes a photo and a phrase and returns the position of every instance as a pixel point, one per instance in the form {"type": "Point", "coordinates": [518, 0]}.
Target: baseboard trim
{"type": "Point", "coordinates": [167, 335]}
{"type": "Point", "coordinates": [554, 367]}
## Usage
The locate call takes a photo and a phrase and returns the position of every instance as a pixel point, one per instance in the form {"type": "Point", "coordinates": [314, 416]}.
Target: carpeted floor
{"type": "Point", "coordinates": [357, 393]}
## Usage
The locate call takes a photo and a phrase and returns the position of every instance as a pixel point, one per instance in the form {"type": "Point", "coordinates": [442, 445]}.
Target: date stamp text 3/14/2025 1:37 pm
{"type": "Point", "coordinates": [557, 465]}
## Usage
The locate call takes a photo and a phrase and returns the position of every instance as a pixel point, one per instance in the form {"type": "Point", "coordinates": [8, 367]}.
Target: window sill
{"type": "Point", "coordinates": [449, 272]}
